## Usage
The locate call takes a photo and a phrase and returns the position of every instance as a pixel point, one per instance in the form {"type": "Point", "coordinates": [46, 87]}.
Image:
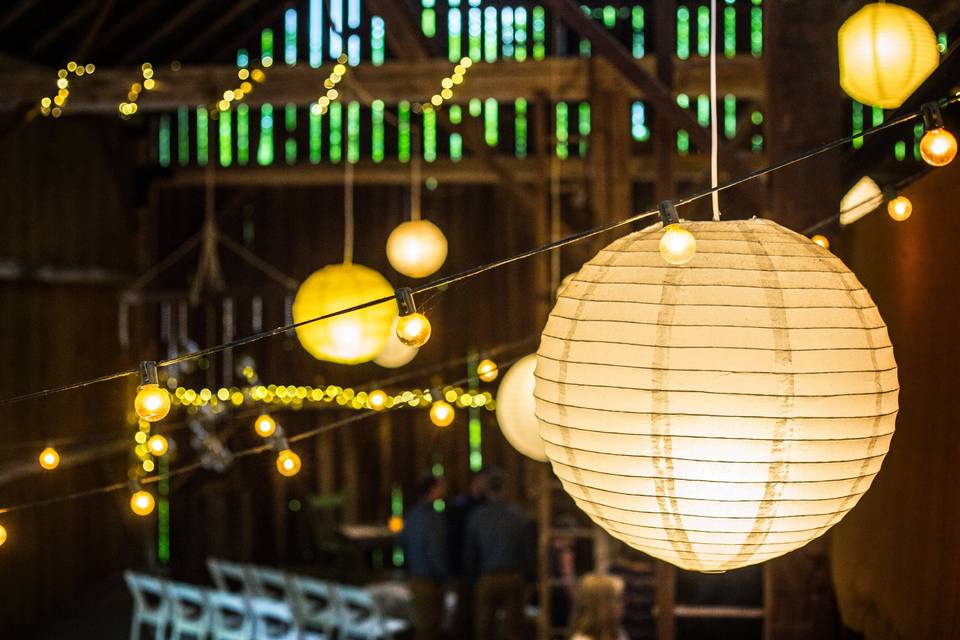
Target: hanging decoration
{"type": "Point", "coordinates": [722, 413]}
{"type": "Point", "coordinates": [938, 147]}
{"type": "Point", "coordinates": [395, 354]}
{"type": "Point", "coordinates": [49, 459]}
{"type": "Point", "coordinates": [886, 51]}
{"type": "Point", "coordinates": [146, 83]}
{"type": "Point", "coordinates": [900, 208]}
{"type": "Point", "coordinates": [862, 198]}
{"type": "Point", "coordinates": [54, 106]}
{"type": "Point", "coordinates": [516, 413]}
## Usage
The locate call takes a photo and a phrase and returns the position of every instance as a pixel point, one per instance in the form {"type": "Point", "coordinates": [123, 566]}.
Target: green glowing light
{"type": "Point", "coordinates": [428, 19]}
{"type": "Point", "coordinates": [857, 122]}
{"type": "Point", "coordinates": [703, 110]}
{"type": "Point", "coordinates": [583, 127]}
{"type": "Point", "coordinates": [756, 31]}
{"type": "Point", "coordinates": [539, 33]}
{"type": "Point", "coordinates": [638, 122]}
{"type": "Point", "coordinates": [563, 131]}
{"type": "Point", "coordinates": [683, 33]}
{"type": "Point", "coordinates": [315, 133]}
{"type": "Point", "coordinates": [490, 34]}
{"type": "Point", "coordinates": [454, 38]}
{"type": "Point", "coordinates": [703, 31]}
{"type": "Point", "coordinates": [265, 145]}
{"type": "Point", "coordinates": [336, 132]}
{"type": "Point", "coordinates": [491, 128]}
{"type": "Point", "coordinates": [520, 34]}
{"type": "Point", "coordinates": [243, 134]}
{"type": "Point", "coordinates": [506, 31]}
{"type": "Point", "coordinates": [266, 47]}
{"type": "Point", "coordinates": [683, 142]}
{"type": "Point", "coordinates": [378, 40]}
{"type": "Point", "coordinates": [729, 116]}
{"type": "Point", "coordinates": [475, 33]}
{"type": "Point", "coordinates": [430, 136]}
{"type": "Point", "coordinates": [637, 23]}
{"type": "Point", "coordinates": [455, 113]}
{"type": "Point", "coordinates": [225, 141]}
{"type": "Point", "coordinates": [403, 131]}
{"type": "Point", "coordinates": [290, 36]}
{"type": "Point", "coordinates": [353, 132]}
{"type": "Point", "coordinates": [900, 150]}
{"type": "Point", "coordinates": [163, 510]}
{"type": "Point", "coordinates": [756, 143]}
{"type": "Point", "coordinates": [456, 147]}
{"type": "Point", "coordinates": [203, 137]}
{"type": "Point", "coordinates": [290, 124]}
{"type": "Point", "coordinates": [475, 107]}
{"type": "Point", "coordinates": [520, 127]}
{"type": "Point", "coordinates": [163, 141]}
{"type": "Point", "coordinates": [729, 32]}
{"type": "Point", "coordinates": [376, 133]}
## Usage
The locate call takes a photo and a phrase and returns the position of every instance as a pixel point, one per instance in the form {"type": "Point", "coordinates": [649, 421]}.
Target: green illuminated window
{"type": "Point", "coordinates": [520, 127]}
{"type": "Point", "coordinates": [703, 110]}
{"type": "Point", "coordinates": [506, 31]}
{"type": "Point", "coordinates": [403, 131]}
{"type": "Point", "coordinates": [756, 30]}
{"type": "Point", "coordinates": [520, 34]}
{"type": "Point", "coordinates": [900, 150]}
{"type": "Point", "coordinates": [225, 139]}
{"type": "Point", "coordinates": [942, 42]}
{"type": "Point", "coordinates": [203, 137]}
{"type": "Point", "coordinates": [456, 147]}
{"type": "Point", "coordinates": [454, 39]}
{"type": "Point", "coordinates": [756, 143]}
{"type": "Point", "coordinates": [163, 510]}
{"type": "Point", "coordinates": [455, 113]}
{"type": "Point", "coordinates": [290, 36]}
{"type": "Point", "coordinates": [490, 34]}
{"type": "Point", "coordinates": [290, 124]}
{"type": "Point", "coordinates": [474, 435]}
{"type": "Point", "coordinates": [637, 23]}
{"type": "Point", "coordinates": [475, 33]}
{"type": "Point", "coordinates": [266, 47]}
{"type": "Point", "coordinates": [638, 122]}
{"type": "Point", "coordinates": [316, 133]}
{"type": "Point", "coordinates": [378, 40]}
{"type": "Point", "coordinates": [917, 135]}
{"type": "Point", "coordinates": [877, 116]}
{"type": "Point", "coordinates": [563, 131]}
{"type": "Point", "coordinates": [428, 18]}
{"type": "Point", "coordinates": [729, 116]}
{"type": "Point", "coordinates": [683, 33]}
{"type": "Point", "coordinates": [353, 132]}
{"type": "Point", "coordinates": [430, 135]}
{"type": "Point", "coordinates": [729, 32]}
{"type": "Point", "coordinates": [163, 141]}
{"type": "Point", "coordinates": [243, 134]}
{"type": "Point", "coordinates": [475, 107]}
{"type": "Point", "coordinates": [583, 126]}
{"type": "Point", "coordinates": [265, 145]}
{"type": "Point", "coordinates": [491, 129]}
{"type": "Point", "coordinates": [683, 138]}
{"type": "Point", "coordinates": [316, 33]}
{"type": "Point", "coordinates": [336, 132]}
{"type": "Point", "coordinates": [539, 33]}
{"type": "Point", "coordinates": [376, 133]}
{"type": "Point", "coordinates": [703, 31]}
{"type": "Point", "coordinates": [609, 17]}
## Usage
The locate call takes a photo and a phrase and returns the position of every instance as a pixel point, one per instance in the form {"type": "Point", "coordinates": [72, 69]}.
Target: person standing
{"type": "Point", "coordinates": [458, 513]}
{"type": "Point", "coordinates": [424, 543]}
{"type": "Point", "coordinates": [497, 556]}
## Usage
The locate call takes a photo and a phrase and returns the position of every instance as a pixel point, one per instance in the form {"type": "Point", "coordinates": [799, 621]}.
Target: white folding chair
{"type": "Point", "coordinates": [269, 583]}
{"type": "Point", "coordinates": [315, 605]}
{"type": "Point", "coordinates": [362, 617]}
{"type": "Point", "coordinates": [232, 577]}
{"type": "Point", "coordinates": [230, 618]}
{"type": "Point", "coordinates": [189, 611]}
{"type": "Point", "coordinates": [274, 620]}
{"type": "Point", "coordinates": [150, 604]}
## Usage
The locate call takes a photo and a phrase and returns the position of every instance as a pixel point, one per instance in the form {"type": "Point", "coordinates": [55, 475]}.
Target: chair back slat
{"type": "Point", "coordinates": [230, 618]}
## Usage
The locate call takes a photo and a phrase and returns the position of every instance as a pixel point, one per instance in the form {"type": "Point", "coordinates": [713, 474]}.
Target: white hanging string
{"type": "Point", "coordinates": [347, 211]}
{"type": "Point", "coordinates": [714, 178]}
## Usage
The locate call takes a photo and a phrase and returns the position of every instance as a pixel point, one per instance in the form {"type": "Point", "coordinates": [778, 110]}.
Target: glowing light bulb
{"type": "Point", "coordinates": [49, 459]}
{"type": "Point", "coordinates": [265, 425]}
{"type": "Point", "coordinates": [677, 245]}
{"type": "Point", "coordinates": [821, 240]}
{"type": "Point", "coordinates": [288, 463]}
{"type": "Point", "coordinates": [441, 413]}
{"type": "Point", "coordinates": [395, 524]}
{"type": "Point", "coordinates": [3, 535]}
{"type": "Point", "coordinates": [158, 445]}
{"type": "Point", "coordinates": [938, 147]}
{"type": "Point", "coordinates": [413, 330]}
{"type": "Point", "coordinates": [377, 400]}
{"type": "Point", "coordinates": [487, 370]}
{"type": "Point", "coordinates": [900, 208]}
{"type": "Point", "coordinates": [152, 402]}
{"type": "Point", "coordinates": [142, 503]}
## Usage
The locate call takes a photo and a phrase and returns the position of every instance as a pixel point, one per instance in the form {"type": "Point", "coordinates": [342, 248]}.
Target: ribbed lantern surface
{"type": "Point", "coordinates": [719, 413]}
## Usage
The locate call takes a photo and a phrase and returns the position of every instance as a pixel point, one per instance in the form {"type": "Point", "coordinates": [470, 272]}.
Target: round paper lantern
{"type": "Point", "coordinates": [886, 52]}
{"type": "Point", "coordinates": [417, 248]}
{"type": "Point", "coordinates": [353, 337]}
{"type": "Point", "coordinates": [723, 412]}
{"type": "Point", "coordinates": [516, 413]}
{"type": "Point", "coordinates": [395, 354]}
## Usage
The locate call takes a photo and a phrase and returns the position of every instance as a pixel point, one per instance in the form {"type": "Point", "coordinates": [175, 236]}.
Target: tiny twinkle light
{"type": "Point", "coordinates": [821, 240]}
{"type": "Point", "coordinates": [288, 463]}
{"type": "Point", "coordinates": [938, 147]}
{"type": "Point", "coordinates": [142, 503]}
{"type": "Point", "coordinates": [900, 208]}
{"type": "Point", "coordinates": [265, 425]}
{"type": "Point", "coordinates": [677, 245]}
{"type": "Point", "coordinates": [49, 459]}
{"type": "Point", "coordinates": [152, 402]}
{"type": "Point", "coordinates": [377, 400]}
{"type": "Point", "coordinates": [441, 413]}
{"type": "Point", "coordinates": [395, 524]}
{"type": "Point", "coordinates": [413, 329]}
{"type": "Point", "coordinates": [158, 445]}
{"type": "Point", "coordinates": [487, 370]}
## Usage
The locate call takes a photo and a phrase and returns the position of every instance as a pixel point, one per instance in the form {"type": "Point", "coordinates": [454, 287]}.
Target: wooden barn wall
{"type": "Point", "coordinates": [895, 556]}
{"type": "Point", "coordinates": [68, 205]}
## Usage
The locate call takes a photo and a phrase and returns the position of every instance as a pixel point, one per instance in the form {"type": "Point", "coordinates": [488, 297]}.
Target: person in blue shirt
{"type": "Point", "coordinates": [498, 557]}
{"type": "Point", "coordinates": [424, 543]}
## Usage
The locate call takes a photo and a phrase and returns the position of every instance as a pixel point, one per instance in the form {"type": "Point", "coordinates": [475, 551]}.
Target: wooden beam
{"type": "Point", "coordinates": [94, 31]}
{"type": "Point", "coordinates": [62, 25]}
{"type": "Point", "coordinates": [558, 78]}
{"type": "Point", "coordinates": [169, 26]}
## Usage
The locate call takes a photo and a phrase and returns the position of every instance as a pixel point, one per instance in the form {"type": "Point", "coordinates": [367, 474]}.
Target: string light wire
{"type": "Point", "coordinates": [475, 271]}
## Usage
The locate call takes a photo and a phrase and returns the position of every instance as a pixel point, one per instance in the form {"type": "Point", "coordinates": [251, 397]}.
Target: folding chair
{"type": "Point", "coordinates": [274, 620]}
{"type": "Point", "coordinates": [230, 618]}
{"type": "Point", "coordinates": [362, 617]}
{"type": "Point", "coordinates": [231, 577]}
{"type": "Point", "coordinates": [269, 583]}
{"type": "Point", "coordinates": [189, 611]}
{"type": "Point", "coordinates": [315, 605]}
{"type": "Point", "coordinates": [150, 604]}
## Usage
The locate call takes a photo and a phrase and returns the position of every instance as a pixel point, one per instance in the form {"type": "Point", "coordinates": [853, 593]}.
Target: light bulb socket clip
{"type": "Point", "coordinates": [279, 440]}
{"type": "Point", "coordinates": [668, 214]}
{"type": "Point", "coordinates": [889, 193]}
{"type": "Point", "coordinates": [148, 373]}
{"type": "Point", "coordinates": [435, 395]}
{"type": "Point", "coordinates": [932, 116]}
{"type": "Point", "coordinates": [405, 302]}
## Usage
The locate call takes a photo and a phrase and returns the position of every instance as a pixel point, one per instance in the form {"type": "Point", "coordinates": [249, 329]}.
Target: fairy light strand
{"type": "Point", "coordinates": [475, 271]}
{"type": "Point", "coordinates": [53, 106]}
{"type": "Point", "coordinates": [147, 82]}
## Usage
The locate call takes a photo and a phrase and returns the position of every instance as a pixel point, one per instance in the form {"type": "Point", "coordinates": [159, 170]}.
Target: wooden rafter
{"type": "Point", "coordinates": [14, 13]}
{"type": "Point", "coordinates": [216, 28]}
{"type": "Point", "coordinates": [63, 25]}
{"type": "Point", "coordinates": [169, 26]}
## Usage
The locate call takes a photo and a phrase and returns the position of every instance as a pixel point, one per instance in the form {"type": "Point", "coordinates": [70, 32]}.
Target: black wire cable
{"type": "Point", "coordinates": [475, 271]}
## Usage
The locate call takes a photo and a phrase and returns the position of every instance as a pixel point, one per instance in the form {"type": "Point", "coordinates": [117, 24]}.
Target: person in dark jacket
{"type": "Point", "coordinates": [458, 513]}
{"type": "Point", "coordinates": [424, 542]}
{"type": "Point", "coordinates": [498, 557]}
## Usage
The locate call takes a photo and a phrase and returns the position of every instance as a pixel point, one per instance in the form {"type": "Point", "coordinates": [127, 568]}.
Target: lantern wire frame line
{"type": "Point", "coordinates": [475, 271]}
{"type": "Point", "coordinates": [299, 437]}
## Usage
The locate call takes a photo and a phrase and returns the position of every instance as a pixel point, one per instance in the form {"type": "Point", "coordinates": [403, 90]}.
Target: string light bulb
{"type": "Point", "coordinates": [487, 370]}
{"type": "Point", "coordinates": [3, 535]}
{"type": "Point", "coordinates": [441, 413]}
{"type": "Point", "coordinates": [377, 400]}
{"type": "Point", "coordinates": [142, 503]}
{"type": "Point", "coordinates": [158, 445]}
{"type": "Point", "coordinates": [395, 524]}
{"type": "Point", "coordinates": [821, 240]}
{"type": "Point", "coordinates": [413, 329]}
{"type": "Point", "coordinates": [288, 463]}
{"type": "Point", "coordinates": [677, 245]}
{"type": "Point", "coordinates": [152, 402]}
{"type": "Point", "coordinates": [938, 147]}
{"type": "Point", "coordinates": [49, 459]}
{"type": "Point", "coordinates": [900, 208]}
{"type": "Point", "coordinates": [265, 425]}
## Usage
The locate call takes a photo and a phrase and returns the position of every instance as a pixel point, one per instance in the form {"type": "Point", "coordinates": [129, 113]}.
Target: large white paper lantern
{"type": "Point", "coordinates": [516, 411]}
{"type": "Point", "coordinates": [723, 412]}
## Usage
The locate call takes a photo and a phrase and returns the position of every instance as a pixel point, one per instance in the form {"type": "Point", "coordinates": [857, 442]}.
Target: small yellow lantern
{"type": "Point", "coordinates": [417, 248]}
{"type": "Point", "coordinates": [886, 52]}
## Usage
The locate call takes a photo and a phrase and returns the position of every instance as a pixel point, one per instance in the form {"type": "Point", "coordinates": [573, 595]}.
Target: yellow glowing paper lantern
{"type": "Point", "coordinates": [265, 425]}
{"type": "Point", "coordinates": [900, 208]}
{"type": "Point", "coordinates": [394, 353]}
{"type": "Point", "coordinates": [351, 338]}
{"type": "Point", "coordinates": [516, 409]}
{"type": "Point", "coordinates": [158, 445]}
{"type": "Point", "coordinates": [49, 459]}
{"type": "Point", "coordinates": [288, 463]}
{"type": "Point", "coordinates": [722, 413]}
{"type": "Point", "coordinates": [152, 402]}
{"type": "Point", "coordinates": [3, 535]}
{"type": "Point", "coordinates": [441, 413]}
{"type": "Point", "coordinates": [487, 370]}
{"type": "Point", "coordinates": [142, 503]}
{"type": "Point", "coordinates": [886, 52]}
{"type": "Point", "coordinates": [417, 248]}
